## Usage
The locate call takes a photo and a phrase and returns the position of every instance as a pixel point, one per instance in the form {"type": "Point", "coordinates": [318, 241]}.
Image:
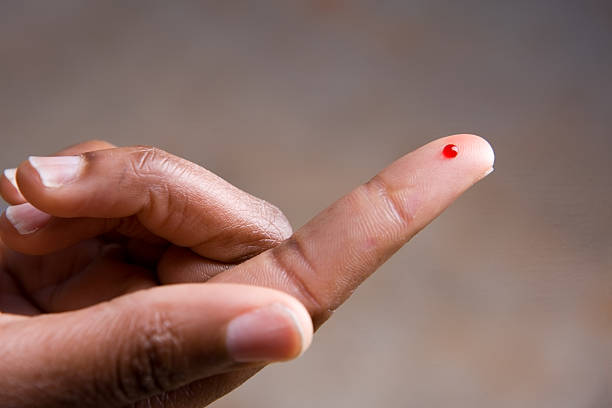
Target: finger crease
{"type": "Point", "coordinates": [397, 211]}
{"type": "Point", "coordinates": [294, 246]}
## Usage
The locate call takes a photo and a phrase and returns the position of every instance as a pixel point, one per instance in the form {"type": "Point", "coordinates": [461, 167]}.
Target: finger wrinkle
{"type": "Point", "coordinates": [275, 220]}
{"type": "Point", "coordinates": [401, 214]}
{"type": "Point", "coordinates": [143, 158]}
{"type": "Point", "coordinates": [293, 263]}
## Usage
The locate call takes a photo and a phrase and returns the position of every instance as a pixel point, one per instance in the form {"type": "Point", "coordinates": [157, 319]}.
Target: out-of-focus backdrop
{"type": "Point", "coordinates": [504, 301]}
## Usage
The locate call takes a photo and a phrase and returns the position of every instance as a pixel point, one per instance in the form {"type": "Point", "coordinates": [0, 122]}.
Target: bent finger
{"type": "Point", "coordinates": [171, 197]}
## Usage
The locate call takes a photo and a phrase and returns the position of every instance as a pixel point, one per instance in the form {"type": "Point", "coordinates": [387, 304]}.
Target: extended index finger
{"type": "Point", "coordinates": [323, 262]}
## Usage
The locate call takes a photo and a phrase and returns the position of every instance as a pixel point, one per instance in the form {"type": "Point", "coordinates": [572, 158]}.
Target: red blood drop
{"type": "Point", "coordinates": [450, 151]}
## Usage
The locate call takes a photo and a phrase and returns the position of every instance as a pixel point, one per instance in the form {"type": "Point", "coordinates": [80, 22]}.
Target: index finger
{"type": "Point", "coordinates": [323, 262]}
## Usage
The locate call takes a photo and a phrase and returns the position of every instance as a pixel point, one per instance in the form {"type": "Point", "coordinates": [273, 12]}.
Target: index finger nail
{"type": "Point", "coordinates": [56, 171]}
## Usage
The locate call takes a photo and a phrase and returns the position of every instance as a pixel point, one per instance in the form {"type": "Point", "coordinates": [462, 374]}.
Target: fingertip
{"type": "Point", "coordinates": [281, 227]}
{"type": "Point", "coordinates": [475, 149]}
{"type": "Point", "coordinates": [487, 152]}
{"type": "Point", "coordinates": [10, 175]}
{"type": "Point", "coordinates": [303, 322]}
{"type": "Point", "coordinates": [28, 180]}
{"type": "Point", "coordinates": [274, 332]}
{"type": "Point", "coordinates": [440, 170]}
{"type": "Point", "coordinates": [25, 218]}
{"type": "Point", "coordinates": [278, 327]}
{"type": "Point", "coordinates": [478, 148]}
{"type": "Point", "coordinates": [9, 188]}
{"type": "Point", "coordinates": [41, 179]}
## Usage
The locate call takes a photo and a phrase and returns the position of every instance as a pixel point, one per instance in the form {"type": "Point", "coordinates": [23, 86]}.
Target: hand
{"type": "Point", "coordinates": [151, 345]}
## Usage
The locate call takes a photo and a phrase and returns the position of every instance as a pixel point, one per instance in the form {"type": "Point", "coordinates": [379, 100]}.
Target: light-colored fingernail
{"type": "Point", "coordinates": [489, 172]}
{"type": "Point", "coordinates": [11, 175]}
{"type": "Point", "coordinates": [270, 333]}
{"type": "Point", "coordinates": [26, 218]}
{"type": "Point", "coordinates": [57, 171]}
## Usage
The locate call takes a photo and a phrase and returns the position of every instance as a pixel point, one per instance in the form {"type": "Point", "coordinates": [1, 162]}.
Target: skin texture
{"type": "Point", "coordinates": [88, 315]}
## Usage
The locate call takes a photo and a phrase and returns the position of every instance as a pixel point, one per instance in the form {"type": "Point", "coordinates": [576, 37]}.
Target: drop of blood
{"type": "Point", "coordinates": [450, 151]}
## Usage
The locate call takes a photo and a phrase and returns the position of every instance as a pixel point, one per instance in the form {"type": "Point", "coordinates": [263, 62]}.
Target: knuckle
{"type": "Point", "coordinates": [153, 171]}
{"type": "Point", "coordinates": [146, 360]}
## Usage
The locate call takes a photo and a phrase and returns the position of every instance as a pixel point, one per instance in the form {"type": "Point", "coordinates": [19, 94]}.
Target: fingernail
{"type": "Point", "coordinates": [271, 333]}
{"type": "Point", "coordinates": [489, 172]}
{"type": "Point", "coordinates": [25, 218]}
{"type": "Point", "coordinates": [10, 175]}
{"type": "Point", "coordinates": [58, 170]}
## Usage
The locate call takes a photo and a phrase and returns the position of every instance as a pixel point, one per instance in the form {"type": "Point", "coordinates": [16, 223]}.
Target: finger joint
{"type": "Point", "coordinates": [399, 212]}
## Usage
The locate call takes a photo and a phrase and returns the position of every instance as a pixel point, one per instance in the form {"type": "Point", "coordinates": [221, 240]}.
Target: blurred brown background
{"type": "Point", "coordinates": [504, 301]}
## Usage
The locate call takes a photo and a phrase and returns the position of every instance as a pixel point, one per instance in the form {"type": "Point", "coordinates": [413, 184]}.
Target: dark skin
{"type": "Point", "coordinates": [98, 300]}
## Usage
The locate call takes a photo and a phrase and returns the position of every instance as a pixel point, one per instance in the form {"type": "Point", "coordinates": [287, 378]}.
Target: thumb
{"type": "Point", "coordinates": [146, 343]}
